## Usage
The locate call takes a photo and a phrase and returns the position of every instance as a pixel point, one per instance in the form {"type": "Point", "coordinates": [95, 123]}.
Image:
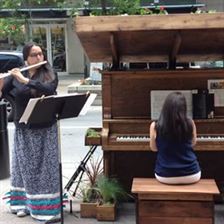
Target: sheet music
{"type": "Point", "coordinates": [216, 86]}
{"type": "Point", "coordinates": [88, 103]}
{"type": "Point", "coordinates": [29, 108]}
{"type": "Point", "coordinates": [158, 97]}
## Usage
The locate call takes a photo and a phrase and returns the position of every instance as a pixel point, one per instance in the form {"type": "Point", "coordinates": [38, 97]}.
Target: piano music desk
{"type": "Point", "coordinates": [158, 203]}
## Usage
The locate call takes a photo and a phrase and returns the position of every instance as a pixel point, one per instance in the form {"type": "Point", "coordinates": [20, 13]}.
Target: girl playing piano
{"type": "Point", "coordinates": [173, 137]}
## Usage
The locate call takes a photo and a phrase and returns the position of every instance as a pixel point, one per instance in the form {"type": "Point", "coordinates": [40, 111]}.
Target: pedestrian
{"type": "Point", "coordinates": [35, 182]}
{"type": "Point", "coordinates": [173, 137]}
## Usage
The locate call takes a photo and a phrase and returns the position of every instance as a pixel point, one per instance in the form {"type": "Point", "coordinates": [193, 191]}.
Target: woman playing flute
{"type": "Point", "coordinates": [35, 178]}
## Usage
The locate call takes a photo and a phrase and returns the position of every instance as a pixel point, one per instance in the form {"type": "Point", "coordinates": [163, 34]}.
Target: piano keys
{"type": "Point", "coordinates": [217, 142]}
{"type": "Point", "coordinates": [127, 134]}
{"type": "Point", "coordinates": [129, 142]}
{"type": "Point", "coordinates": [146, 139]}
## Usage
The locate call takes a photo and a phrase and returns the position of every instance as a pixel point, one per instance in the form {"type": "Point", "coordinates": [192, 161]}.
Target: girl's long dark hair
{"type": "Point", "coordinates": [173, 123]}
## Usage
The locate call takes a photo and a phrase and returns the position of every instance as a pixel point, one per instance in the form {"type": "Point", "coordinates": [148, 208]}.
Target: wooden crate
{"type": "Point", "coordinates": [88, 210]}
{"type": "Point", "coordinates": [174, 204]}
{"type": "Point", "coordinates": [106, 212]}
{"type": "Point", "coordinates": [94, 140]}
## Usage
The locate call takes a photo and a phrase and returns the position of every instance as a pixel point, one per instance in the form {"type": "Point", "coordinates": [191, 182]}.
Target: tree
{"type": "Point", "coordinates": [12, 27]}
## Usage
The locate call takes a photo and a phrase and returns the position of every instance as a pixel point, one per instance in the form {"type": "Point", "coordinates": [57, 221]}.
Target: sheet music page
{"type": "Point", "coordinates": [29, 108]}
{"type": "Point", "coordinates": [158, 97]}
{"type": "Point", "coordinates": [216, 86]}
{"type": "Point", "coordinates": [88, 103]}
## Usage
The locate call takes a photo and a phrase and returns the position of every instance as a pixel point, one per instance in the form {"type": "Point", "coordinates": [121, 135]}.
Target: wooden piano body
{"type": "Point", "coordinates": [126, 94]}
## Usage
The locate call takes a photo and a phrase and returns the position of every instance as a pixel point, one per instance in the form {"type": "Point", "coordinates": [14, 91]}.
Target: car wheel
{"type": "Point", "coordinates": [10, 107]}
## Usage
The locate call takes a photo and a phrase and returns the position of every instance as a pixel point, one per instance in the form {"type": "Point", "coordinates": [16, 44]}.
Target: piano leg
{"type": "Point", "coordinates": [106, 163]}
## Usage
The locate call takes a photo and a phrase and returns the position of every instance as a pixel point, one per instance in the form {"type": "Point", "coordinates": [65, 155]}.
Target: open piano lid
{"type": "Point", "coordinates": [152, 38]}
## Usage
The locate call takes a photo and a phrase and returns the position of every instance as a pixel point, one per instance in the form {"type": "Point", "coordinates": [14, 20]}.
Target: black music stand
{"type": "Point", "coordinates": [80, 170]}
{"type": "Point", "coordinates": [57, 107]}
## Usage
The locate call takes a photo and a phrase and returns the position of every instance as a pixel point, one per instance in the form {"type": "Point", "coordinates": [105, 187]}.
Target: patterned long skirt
{"type": "Point", "coordinates": [35, 181]}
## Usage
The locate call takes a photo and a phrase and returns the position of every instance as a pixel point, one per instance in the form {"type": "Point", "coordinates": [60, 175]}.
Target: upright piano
{"type": "Point", "coordinates": [126, 93]}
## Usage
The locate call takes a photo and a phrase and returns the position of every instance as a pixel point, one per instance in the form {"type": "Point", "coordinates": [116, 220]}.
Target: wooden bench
{"type": "Point", "coordinates": [158, 203]}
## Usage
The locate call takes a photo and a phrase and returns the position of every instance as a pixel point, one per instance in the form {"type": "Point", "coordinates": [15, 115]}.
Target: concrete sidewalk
{"type": "Point", "coordinates": [66, 80]}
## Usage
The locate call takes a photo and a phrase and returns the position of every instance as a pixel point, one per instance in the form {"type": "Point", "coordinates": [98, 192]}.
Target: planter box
{"type": "Point", "coordinates": [106, 212]}
{"type": "Point", "coordinates": [88, 210]}
{"type": "Point", "coordinates": [94, 140]}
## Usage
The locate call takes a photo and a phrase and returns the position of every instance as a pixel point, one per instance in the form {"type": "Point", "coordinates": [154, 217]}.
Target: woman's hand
{"type": "Point", "coordinates": [1, 83]}
{"type": "Point", "coordinates": [19, 76]}
{"type": "Point", "coordinates": [152, 134]}
{"type": "Point", "coordinates": [1, 86]}
{"type": "Point", "coordinates": [194, 135]}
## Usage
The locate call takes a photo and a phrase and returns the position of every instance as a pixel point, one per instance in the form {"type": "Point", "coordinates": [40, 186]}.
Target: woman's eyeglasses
{"type": "Point", "coordinates": [36, 54]}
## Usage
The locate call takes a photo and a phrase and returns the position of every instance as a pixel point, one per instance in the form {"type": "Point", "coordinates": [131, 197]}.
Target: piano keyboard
{"type": "Point", "coordinates": [147, 139]}
{"type": "Point", "coordinates": [132, 139]}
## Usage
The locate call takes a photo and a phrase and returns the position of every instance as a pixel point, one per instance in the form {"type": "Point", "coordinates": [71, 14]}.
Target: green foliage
{"type": "Point", "coordinates": [13, 28]}
{"type": "Point", "coordinates": [9, 4]}
{"type": "Point", "coordinates": [14, 4]}
{"type": "Point", "coordinates": [93, 171]}
{"type": "Point", "coordinates": [89, 195]}
{"type": "Point", "coordinates": [129, 7]}
{"type": "Point", "coordinates": [110, 190]}
{"type": "Point", "coordinates": [99, 188]}
{"type": "Point", "coordinates": [92, 133]}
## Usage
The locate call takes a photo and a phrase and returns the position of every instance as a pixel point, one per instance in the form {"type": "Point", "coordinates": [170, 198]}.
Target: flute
{"type": "Point", "coordinates": [3, 75]}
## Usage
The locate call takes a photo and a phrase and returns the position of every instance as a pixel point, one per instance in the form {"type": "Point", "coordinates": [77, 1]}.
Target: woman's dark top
{"type": "Point", "coordinates": [175, 159]}
{"type": "Point", "coordinates": [23, 93]}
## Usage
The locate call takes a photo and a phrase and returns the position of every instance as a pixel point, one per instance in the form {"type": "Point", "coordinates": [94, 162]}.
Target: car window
{"type": "Point", "coordinates": [8, 62]}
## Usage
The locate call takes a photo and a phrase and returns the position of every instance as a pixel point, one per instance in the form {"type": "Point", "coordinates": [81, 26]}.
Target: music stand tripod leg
{"type": "Point", "coordinates": [81, 167]}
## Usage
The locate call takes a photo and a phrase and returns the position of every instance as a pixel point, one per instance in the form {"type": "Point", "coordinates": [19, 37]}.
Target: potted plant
{"type": "Point", "coordinates": [89, 202]}
{"type": "Point", "coordinates": [88, 191]}
{"type": "Point", "coordinates": [93, 136]}
{"type": "Point", "coordinates": [110, 192]}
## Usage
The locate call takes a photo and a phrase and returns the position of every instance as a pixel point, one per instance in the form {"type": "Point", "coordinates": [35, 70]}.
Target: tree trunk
{"type": "Point", "coordinates": [103, 5]}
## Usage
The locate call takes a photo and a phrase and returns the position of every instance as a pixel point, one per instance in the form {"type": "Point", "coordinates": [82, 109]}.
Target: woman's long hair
{"type": "Point", "coordinates": [45, 72]}
{"type": "Point", "coordinates": [173, 123]}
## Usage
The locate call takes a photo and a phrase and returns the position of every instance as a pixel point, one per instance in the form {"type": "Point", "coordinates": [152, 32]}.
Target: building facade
{"type": "Point", "coordinates": [216, 5]}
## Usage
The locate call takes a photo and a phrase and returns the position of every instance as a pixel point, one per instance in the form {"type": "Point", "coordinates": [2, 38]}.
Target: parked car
{"type": "Point", "coordinates": [59, 62]}
{"type": "Point", "coordinates": [10, 60]}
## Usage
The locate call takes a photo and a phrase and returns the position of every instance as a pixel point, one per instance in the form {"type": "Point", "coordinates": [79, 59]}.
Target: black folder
{"type": "Point", "coordinates": [45, 109]}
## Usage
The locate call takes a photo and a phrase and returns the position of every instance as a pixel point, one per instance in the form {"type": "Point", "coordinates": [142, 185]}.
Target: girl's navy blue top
{"type": "Point", "coordinates": [23, 93]}
{"type": "Point", "coordinates": [175, 159]}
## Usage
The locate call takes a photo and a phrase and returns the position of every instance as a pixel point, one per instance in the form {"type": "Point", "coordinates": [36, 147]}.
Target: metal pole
{"type": "Point", "coordinates": [4, 143]}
